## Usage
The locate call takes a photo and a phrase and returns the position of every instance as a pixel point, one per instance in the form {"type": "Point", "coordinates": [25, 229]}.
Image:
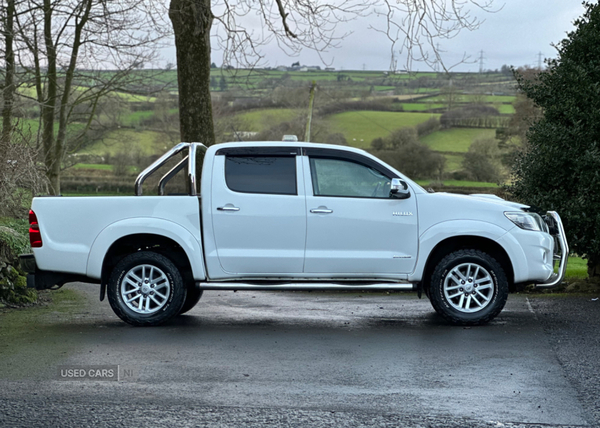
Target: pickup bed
{"type": "Point", "coordinates": [290, 216]}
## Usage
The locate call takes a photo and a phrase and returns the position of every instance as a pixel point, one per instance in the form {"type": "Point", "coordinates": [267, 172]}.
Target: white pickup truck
{"type": "Point", "coordinates": [290, 216]}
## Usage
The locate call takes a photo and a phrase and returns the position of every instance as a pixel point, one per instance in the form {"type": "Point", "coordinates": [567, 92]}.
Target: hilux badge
{"type": "Point", "coordinates": [402, 213]}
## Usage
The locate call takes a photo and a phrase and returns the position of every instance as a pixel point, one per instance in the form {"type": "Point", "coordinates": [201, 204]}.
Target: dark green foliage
{"type": "Point", "coordinates": [560, 168]}
{"type": "Point", "coordinates": [416, 160]}
{"type": "Point", "coordinates": [13, 284]}
{"type": "Point", "coordinates": [12, 244]}
{"type": "Point", "coordinates": [403, 150]}
{"type": "Point", "coordinates": [430, 126]}
{"type": "Point", "coordinates": [483, 161]}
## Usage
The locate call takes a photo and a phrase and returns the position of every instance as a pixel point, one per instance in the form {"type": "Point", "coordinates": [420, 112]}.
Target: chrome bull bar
{"type": "Point", "coordinates": [557, 277]}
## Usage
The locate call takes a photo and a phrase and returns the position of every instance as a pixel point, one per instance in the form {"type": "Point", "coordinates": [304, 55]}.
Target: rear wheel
{"type": "Point", "coordinates": [146, 289]}
{"type": "Point", "coordinates": [468, 287]}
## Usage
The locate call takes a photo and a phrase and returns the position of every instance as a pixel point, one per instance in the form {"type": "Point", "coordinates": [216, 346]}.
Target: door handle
{"type": "Point", "coordinates": [321, 210]}
{"type": "Point", "coordinates": [228, 207]}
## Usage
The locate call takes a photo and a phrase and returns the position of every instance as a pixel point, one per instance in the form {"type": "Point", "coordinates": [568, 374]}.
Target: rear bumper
{"type": "Point", "coordinates": [45, 280]}
{"type": "Point", "coordinates": [561, 251]}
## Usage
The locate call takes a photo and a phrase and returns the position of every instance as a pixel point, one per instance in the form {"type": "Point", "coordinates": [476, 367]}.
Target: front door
{"type": "Point", "coordinates": [353, 226]}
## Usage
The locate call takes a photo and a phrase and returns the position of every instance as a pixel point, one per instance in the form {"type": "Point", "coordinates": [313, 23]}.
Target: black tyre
{"type": "Point", "coordinates": [194, 293]}
{"type": "Point", "coordinates": [468, 287]}
{"type": "Point", "coordinates": [146, 289]}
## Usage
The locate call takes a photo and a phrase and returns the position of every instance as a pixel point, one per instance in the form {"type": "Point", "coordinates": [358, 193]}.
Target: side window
{"type": "Point", "coordinates": [261, 174]}
{"type": "Point", "coordinates": [336, 177]}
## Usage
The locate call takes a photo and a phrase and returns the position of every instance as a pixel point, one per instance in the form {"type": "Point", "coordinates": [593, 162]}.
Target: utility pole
{"type": "Point", "coordinates": [311, 100]}
{"type": "Point", "coordinates": [481, 61]}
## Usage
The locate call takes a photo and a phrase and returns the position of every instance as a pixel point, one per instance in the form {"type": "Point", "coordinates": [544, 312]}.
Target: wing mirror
{"type": "Point", "coordinates": [399, 189]}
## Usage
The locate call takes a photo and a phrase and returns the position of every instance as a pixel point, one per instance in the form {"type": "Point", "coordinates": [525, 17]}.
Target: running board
{"type": "Point", "coordinates": [308, 286]}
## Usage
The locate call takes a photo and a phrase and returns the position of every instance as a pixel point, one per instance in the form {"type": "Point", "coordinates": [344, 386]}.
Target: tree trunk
{"type": "Point", "coordinates": [192, 20]}
{"type": "Point", "coordinates": [49, 107]}
{"type": "Point", "coordinates": [9, 78]}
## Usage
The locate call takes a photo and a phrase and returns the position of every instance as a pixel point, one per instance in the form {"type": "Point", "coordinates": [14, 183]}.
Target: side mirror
{"type": "Point", "coordinates": [399, 189]}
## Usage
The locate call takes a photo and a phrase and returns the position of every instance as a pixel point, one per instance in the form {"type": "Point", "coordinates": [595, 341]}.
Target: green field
{"type": "Point", "coordinates": [453, 162]}
{"type": "Point", "coordinates": [130, 141]}
{"type": "Point", "coordinates": [361, 127]}
{"type": "Point", "coordinates": [456, 139]}
{"type": "Point", "coordinates": [421, 106]}
{"type": "Point", "coordinates": [505, 108]}
{"type": "Point", "coordinates": [262, 119]}
{"type": "Point", "coordinates": [500, 99]}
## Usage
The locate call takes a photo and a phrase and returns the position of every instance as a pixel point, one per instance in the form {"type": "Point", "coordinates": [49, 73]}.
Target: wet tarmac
{"type": "Point", "coordinates": [312, 359]}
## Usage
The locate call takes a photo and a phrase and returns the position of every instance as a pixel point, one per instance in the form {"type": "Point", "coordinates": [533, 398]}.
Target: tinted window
{"type": "Point", "coordinates": [261, 174]}
{"type": "Point", "coordinates": [336, 177]}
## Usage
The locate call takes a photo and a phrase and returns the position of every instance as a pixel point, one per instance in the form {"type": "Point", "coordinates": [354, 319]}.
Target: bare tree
{"type": "Point", "coordinates": [416, 25]}
{"type": "Point", "coordinates": [20, 175]}
{"type": "Point", "coordinates": [65, 50]}
{"type": "Point", "coordinates": [7, 15]}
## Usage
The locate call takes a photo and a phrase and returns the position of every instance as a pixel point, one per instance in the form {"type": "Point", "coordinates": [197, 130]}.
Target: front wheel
{"type": "Point", "coordinates": [468, 287]}
{"type": "Point", "coordinates": [146, 289]}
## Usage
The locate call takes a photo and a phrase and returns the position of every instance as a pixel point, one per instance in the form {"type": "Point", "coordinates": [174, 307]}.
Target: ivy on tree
{"type": "Point", "coordinates": [560, 166]}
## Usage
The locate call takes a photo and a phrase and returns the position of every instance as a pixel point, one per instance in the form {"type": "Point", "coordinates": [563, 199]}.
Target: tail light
{"type": "Point", "coordinates": [35, 237]}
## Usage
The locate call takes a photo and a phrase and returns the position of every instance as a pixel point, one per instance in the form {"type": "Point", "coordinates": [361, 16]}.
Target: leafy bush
{"type": "Point", "coordinates": [416, 160]}
{"type": "Point", "coordinates": [398, 138]}
{"type": "Point", "coordinates": [13, 284]}
{"type": "Point", "coordinates": [483, 161]}
{"type": "Point", "coordinates": [403, 150]}
{"type": "Point", "coordinates": [559, 169]}
{"type": "Point", "coordinates": [428, 127]}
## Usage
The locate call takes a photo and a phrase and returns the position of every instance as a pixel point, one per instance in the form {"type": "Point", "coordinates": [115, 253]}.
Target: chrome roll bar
{"type": "Point", "coordinates": [190, 160]}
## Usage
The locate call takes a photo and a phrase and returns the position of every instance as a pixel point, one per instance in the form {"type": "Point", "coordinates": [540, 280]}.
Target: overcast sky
{"type": "Point", "coordinates": [514, 35]}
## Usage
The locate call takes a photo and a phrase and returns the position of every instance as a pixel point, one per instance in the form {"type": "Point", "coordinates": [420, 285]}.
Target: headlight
{"type": "Point", "coordinates": [527, 221]}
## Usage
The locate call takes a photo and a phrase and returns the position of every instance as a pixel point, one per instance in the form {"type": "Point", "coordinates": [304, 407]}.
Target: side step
{"type": "Point", "coordinates": [306, 286]}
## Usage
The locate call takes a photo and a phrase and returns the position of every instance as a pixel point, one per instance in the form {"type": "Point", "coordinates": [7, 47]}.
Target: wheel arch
{"type": "Point", "coordinates": [456, 243]}
{"type": "Point", "coordinates": [133, 243]}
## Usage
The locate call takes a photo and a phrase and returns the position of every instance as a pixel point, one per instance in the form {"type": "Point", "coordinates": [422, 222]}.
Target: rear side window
{"type": "Point", "coordinates": [261, 174]}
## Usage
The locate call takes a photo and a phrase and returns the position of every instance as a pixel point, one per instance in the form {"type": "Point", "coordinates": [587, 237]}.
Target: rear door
{"type": "Point", "coordinates": [258, 211]}
{"type": "Point", "coordinates": [353, 226]}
